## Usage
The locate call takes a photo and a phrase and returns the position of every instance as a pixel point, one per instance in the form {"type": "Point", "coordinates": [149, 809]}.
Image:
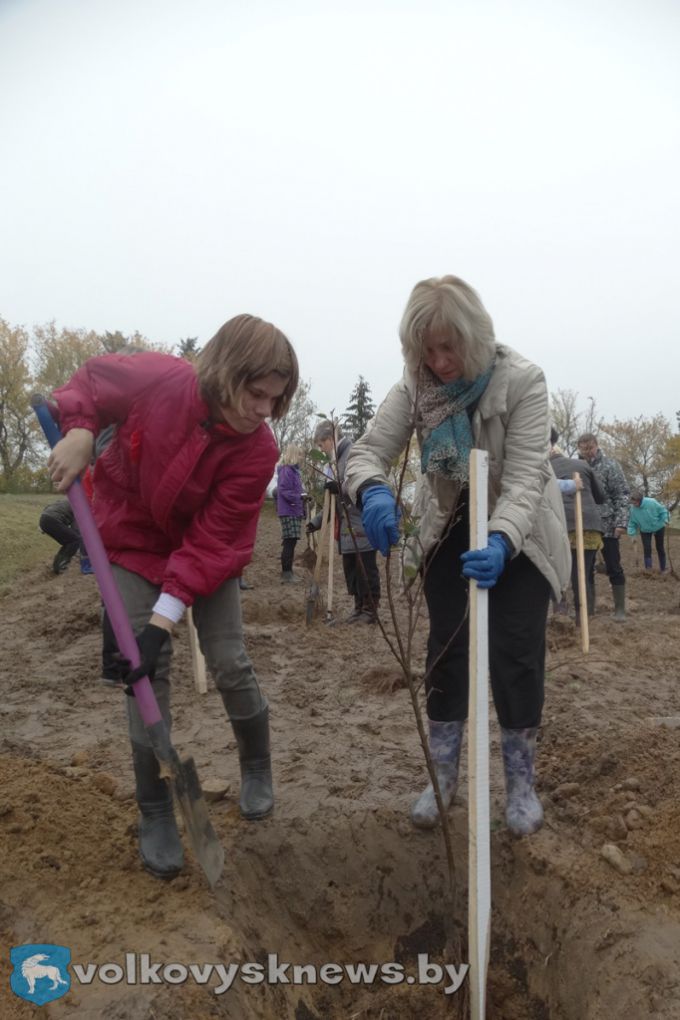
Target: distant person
{"type": "Point", "coordinates": [178, 493]}
{"type": "Point", "coordinates": [614, 513]}
{"type": "Point", "coordinates": [461, 389]}
{"type": "Point", "coordinates": [58, 521]}
{"type": "Point", "coordinates": [358, 555]}
{"type": "Point", "coordinates": [592, 497]}
{"type": "Point", "coordinates": [289, 507]}
{"type": "Point", "coordinates": [649, 518]}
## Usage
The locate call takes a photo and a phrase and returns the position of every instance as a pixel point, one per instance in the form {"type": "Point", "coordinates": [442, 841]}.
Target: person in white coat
{"type": "Point", "coordinates": [460, 389]}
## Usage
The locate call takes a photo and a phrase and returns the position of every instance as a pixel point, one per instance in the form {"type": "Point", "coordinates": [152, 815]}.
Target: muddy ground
{"type": "Point", "coordinates": [337, 874]}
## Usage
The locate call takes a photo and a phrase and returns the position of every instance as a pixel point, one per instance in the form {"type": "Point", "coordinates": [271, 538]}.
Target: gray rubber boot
{"type": "Point", "coordinates": [619, 593]}
{"type": "Point", "coordinates": [252, 737]}
{"type": "Point", "coordinates": [446, 739]}
{"type": "Point", "coordinates": [523, 809]}
{"type": "Point", "coordinates": [159, 844]}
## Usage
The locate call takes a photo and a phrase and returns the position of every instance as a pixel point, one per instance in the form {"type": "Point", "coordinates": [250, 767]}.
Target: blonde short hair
{"type": "Point", "coordinates": [245, 349]}
{"type": "Point", "coordinates": [448, 305]}
{"type": "Point", "coordinates": [292, 454]}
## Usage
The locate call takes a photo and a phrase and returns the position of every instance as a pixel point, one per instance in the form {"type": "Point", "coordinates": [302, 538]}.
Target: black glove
{"type": "Point", "coordinates": [332, 486]}
{"type": "Point", "coordinates": [150, 643]}
{"type": "Point", "coordinates": [311, 528]}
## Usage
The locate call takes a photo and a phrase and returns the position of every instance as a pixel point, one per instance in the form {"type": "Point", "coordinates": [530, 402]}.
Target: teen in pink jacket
{"type": "Point", "coordinates": [177, 496]}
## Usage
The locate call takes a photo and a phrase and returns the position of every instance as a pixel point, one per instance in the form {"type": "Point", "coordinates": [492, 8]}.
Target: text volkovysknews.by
{"type": "Point", "coordinates": [140, 969]}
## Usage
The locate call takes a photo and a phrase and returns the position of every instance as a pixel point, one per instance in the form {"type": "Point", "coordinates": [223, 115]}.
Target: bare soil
{"type": "Point", "coordinates": [337, 873]}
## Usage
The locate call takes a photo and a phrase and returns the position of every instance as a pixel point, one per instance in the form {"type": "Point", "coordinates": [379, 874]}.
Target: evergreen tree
{"type": "Point", "coordinates": [359, 411]}
{"type": "Point", "coordinates": [188, 348]}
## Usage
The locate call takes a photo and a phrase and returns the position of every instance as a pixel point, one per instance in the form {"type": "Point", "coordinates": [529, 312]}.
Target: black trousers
{"type": "Point", "coordinates": [60, 532]}
{"type": "Point", "coordinates": [360, 584]}
{"type": "Point", "coordinates": [612, 561]}
{"type": "Point", "coordinates": [518, 609]}
{"type": "Point", "coordinates": [287, 551]}
{"type": "Point", "coordinates": [658, 536]}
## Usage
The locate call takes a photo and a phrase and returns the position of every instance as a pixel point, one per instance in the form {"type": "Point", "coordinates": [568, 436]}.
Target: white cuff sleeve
{"type": "Point", "coordinates": [170, 607]}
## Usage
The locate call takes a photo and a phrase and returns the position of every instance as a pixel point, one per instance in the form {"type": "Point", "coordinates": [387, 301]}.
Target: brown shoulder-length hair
{"type": "Point", "coordinates": [245, 349]}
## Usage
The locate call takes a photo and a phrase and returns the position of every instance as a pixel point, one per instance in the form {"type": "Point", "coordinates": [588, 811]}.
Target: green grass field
{"type": "Point", "coordinates": [22, 543]}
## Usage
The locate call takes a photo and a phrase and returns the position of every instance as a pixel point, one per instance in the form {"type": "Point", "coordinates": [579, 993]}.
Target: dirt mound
{"type": "Point", "coordinates": [338, 875]}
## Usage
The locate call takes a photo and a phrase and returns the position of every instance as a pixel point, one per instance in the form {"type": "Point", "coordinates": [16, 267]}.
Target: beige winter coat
{"type": "Point", "coordinates": [511, 423]}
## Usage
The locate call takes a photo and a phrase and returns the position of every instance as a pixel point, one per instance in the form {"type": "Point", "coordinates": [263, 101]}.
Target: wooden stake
{"type": "Point", "coordinates": [197, 660]}
{"type": "Point", "coordinates": [313, 596]}
{"type": "Point", "coordinates": [322, 536]}
{"type": "Point", "coordinates": [479, 869]}
{"type": "Point", "coordinates": [331, 550]}
{"type": "Point", "coordinates": [581, 569]}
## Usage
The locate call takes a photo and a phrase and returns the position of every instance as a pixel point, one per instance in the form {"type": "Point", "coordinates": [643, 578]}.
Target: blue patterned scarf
{"type": "Point", "coordinates": [443, 409]}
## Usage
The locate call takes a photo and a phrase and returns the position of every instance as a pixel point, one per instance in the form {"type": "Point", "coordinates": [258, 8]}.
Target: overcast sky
{"type": "Point", "coordinates": [167, 164]}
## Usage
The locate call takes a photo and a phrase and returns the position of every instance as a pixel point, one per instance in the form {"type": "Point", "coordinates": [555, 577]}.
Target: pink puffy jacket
{"type": "Point", "coordinates": [176, 496]}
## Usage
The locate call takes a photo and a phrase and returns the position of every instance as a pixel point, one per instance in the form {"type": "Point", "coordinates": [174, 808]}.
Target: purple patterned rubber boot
{"type": "Point", "coordinates": [523, 809]}
{"type": "Point", "coordinates": [446, 739]}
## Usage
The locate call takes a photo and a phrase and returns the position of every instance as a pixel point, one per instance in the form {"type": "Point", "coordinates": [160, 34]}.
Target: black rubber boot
{"type": "Point", "coordinates": [369, 611]}
{"type": "Point", "coordinates": [252, 737]}
{"type": "Point", "coordinates": [356, 612]}
{"type": "Point", "coordinates": [159, 844]}
{"type": "Point", "coordinates": [619, 593]}
{"type": "Point", "coordinates": [64, 557]}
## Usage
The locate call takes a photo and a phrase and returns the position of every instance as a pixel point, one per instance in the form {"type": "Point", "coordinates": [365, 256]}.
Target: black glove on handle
{"type": "Point", "coordinates": [332, 486]}
{"type": "Point", "coordinates": [150, 643]}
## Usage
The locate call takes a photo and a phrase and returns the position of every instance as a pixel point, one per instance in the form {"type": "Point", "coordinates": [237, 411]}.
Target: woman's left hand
{"type": "Point", "coordinates": [485, 566]}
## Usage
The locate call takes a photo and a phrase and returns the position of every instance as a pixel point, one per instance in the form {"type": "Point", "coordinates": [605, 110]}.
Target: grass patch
{"type": "Point", "coordinates": [22, 543]}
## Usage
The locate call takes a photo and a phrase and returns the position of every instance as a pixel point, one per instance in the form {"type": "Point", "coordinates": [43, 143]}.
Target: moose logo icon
{"type": "Point", "coordinates": [40, 972]}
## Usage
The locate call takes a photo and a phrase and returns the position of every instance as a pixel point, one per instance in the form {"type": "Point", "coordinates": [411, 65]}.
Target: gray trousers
{"type": "Point", "coordinates": [218, 624]}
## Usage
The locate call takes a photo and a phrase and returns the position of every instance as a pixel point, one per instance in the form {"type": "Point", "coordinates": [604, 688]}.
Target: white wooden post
{"type": "Point", "coordinates": [197, 660]}
{"type": "Point", "coordinates": [331, 549]}
{"type": "Point", "coordinates": [479, 877]}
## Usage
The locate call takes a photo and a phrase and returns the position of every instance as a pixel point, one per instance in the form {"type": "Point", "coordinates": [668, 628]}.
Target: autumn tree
{"type": "Point", "coordinates": [298, 424]}
{"type": "Point", "coordinates": [571, 422]}
{"type": "Point", "coordinates": [359, 411]}
{"type": "Point", "coordinates": [19, 433]}
{"type": "Point", "coordinates": [670, 462]}
{"type": "Point", "coordinates": [114, 342]}
{"type": "Point", "coordinates": [59, 353]}
{"type": "Point", "coordinates": [645, 451]}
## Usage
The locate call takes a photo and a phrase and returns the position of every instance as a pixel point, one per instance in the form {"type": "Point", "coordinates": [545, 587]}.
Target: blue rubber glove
{"type": "Point", "coordinates": [379, 517]}
{"type": "Point", "coordinates": [485, 566]}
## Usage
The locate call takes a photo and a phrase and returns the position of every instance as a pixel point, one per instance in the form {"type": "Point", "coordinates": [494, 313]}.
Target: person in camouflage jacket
{"type": "Point", "coordinates": [614, 514]}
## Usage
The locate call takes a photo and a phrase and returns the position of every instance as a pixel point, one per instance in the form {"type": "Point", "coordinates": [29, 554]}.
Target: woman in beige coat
{"type": "Point", "coordinates": [460, 390]}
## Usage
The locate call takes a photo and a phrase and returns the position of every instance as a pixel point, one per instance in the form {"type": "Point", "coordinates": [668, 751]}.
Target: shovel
{"type": "Point", "coordinates": [181, 775]}
{"type": "Point", "coordinates": [313, 596]}
{"type": "Point", "coordinates": [308, 557]}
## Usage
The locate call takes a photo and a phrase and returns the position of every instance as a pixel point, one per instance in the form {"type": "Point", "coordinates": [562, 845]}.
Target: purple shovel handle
{"type": "Point", "coordinates": [125, 638]}
{"type": "Point", "coordinates": [120, 624]}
